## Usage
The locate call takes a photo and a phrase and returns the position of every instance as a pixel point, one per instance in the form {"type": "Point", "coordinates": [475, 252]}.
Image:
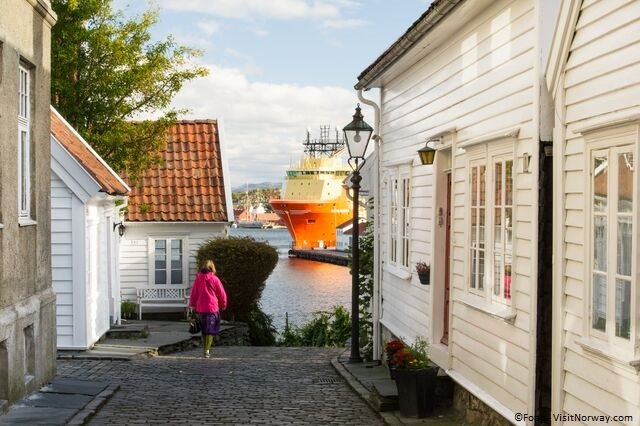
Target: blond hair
{"type": "Point", "coordinates": [208, 265]}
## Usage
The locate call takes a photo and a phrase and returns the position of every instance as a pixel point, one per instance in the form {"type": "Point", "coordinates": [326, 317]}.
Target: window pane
{"type": "Point", "coordinates": [623, 308]}
{"type": "Point", "coordinates": [600, 243]}
{"type": "Point", "coordinates": [508, 185]}
{"type": "Point", "coordinates": [625, 182]}
{"type": "Point", "coordinates": [161, 277]}
{"type": "Point", "coordinates": [498, 184]}
{"type": "Point", "coordinates": [599, 305]}
{"type": "Point", "coordinates": [160, 262]}
{"type": "Point", "coordinates": [481, 268]}
{"type": "Point", "coordinates": [624, 246]}
{"type": "Point", "coordinates": [176, 276]}
{"type": "Point", "coordinates": [481, 179]}
{"type": "Point", "coordinates": [600, 184]}
{"type": "Point", "coordinates": [24, 172]}
{"type": "Point", "coordinates": [474, 186]}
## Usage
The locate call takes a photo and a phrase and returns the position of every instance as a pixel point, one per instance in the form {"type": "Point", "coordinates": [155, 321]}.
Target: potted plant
{"type": "Point", "coordinates": [424, 272]}
{"type": "Point", "coordinates": [415, 379]}
{"type": "Point", "coordinates": [390, 349]}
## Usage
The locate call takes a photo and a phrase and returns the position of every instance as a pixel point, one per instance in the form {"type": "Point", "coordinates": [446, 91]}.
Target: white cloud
{"type": "Point", "coordinates": [264, 123]}
{"type": "Point", "coordinates": [208, 27]}
{"type": "Point", "coordinates": [266, 9]}
{"type": "Point", "coordinates": [344, 23]}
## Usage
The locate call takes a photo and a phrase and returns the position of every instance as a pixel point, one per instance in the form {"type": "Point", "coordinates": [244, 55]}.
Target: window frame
{"type": "Point", "coordinates": [184, 261]}
{"type": "Point", "coordinates": [610, 143]}
{"type": "Point", "coordinates": [487, 156]}
{"type": "Point", "coordinates": [399, 241]}
{"type": "Point", "coordinates": [25, 177]}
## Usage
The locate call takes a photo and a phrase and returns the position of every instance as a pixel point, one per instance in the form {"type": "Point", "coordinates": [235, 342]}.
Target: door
{"type": "Point", "coordinates": [447, 259]}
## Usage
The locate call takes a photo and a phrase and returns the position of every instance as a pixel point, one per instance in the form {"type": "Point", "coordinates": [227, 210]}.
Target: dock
{"type": "Point", "coordinates": [322, 255]}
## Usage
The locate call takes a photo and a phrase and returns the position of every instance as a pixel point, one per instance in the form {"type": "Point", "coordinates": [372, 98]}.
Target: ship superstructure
{"type": "Point", "coordinates": [314, 198]}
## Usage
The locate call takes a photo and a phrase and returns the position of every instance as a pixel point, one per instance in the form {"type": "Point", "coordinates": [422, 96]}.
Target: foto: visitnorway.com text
{"type": "Point", "coordinates": [573, 418]}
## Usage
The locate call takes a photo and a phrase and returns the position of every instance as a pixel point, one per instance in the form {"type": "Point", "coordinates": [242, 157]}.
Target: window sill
{"type": "Point", "coordinates": [505, 313]}
{"type": "Point", "coordinates": [398, 272]}
{"type": "Point", "coordinates": [27, 222]}
{"type": "Point", "coordinates": [608, 352]}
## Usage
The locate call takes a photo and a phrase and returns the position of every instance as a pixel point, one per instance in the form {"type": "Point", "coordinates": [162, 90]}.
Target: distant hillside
{"type": "Point", "coordinates": [252, 186]}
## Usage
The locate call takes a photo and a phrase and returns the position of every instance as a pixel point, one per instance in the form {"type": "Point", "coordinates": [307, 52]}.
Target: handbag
{"type": "Point", "coordinates": [194, 324]}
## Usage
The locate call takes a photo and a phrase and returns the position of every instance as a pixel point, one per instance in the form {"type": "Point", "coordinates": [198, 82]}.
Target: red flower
{"type": "Point", "coordinates": [392, 347]}
{"type": "Point", "coordinates": [402, 358]}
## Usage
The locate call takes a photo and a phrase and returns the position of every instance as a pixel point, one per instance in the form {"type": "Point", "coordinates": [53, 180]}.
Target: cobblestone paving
{"type": "Point", "coordinates": [237, 386]}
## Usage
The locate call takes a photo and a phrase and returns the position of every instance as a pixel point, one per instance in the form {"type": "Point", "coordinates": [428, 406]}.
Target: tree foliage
{"type": "Point", "coordinates": [106, 72]}
{"type": "Point", "coordinates": [365, 287]}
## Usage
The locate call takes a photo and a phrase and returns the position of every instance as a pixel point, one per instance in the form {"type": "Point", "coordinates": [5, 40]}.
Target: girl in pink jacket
{"type": "Point", "coordinates": [208, 298]}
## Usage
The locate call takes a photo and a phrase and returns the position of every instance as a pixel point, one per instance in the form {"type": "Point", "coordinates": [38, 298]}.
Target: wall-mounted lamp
{"type": "Point", "coordinates": [120, 227]}
{"type": "Point", "coordinates": [427, 154]}
{"type": "Point", "coordinates": [526, 162]}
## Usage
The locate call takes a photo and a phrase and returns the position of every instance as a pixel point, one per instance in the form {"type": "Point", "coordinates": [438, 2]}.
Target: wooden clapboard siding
{"type": "Point", "coordinates": [600, 79]}
{"type": "Point", "coordinates": [135, 250]}
{"type": "Point", "coordinates": [62, 259]}
{"type": "Point", "coordinates": [480, 81]}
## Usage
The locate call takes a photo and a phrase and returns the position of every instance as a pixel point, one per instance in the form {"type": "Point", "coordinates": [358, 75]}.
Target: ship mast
{"type": "Point", "coordinates": [324, 146]}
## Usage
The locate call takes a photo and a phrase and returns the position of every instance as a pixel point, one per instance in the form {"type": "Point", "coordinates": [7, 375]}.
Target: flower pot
{"type": "Point", "coordinates": [425, 279]}
{"type": "Point", "coordinates": [416, 391]}
{"type": "Point", "coordinates": [392, 370]}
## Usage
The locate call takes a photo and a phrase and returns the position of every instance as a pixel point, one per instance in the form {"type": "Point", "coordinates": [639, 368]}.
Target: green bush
{"type": "Point", "coordinates": [365, 287]}
{"type": "Point", "coordinates": [243, 264]}
{"type": "Point", "coordinates": [128, 309]}
{"type": "Point", "coordinates": [325, 329]}
{"type": "Point", "coordinates": [262, 332]}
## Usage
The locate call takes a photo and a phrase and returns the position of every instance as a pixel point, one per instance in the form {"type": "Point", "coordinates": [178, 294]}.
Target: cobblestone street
{"type": "Point", "coordinates": [238, 385]}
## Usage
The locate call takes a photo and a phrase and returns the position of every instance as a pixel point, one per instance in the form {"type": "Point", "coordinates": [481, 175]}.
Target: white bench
{"type": "Point", "coordinates": [162, 297]}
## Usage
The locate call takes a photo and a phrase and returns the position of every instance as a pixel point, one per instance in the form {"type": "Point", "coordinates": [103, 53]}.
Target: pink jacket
{"type": "Point", "coordinates": [207, 294]}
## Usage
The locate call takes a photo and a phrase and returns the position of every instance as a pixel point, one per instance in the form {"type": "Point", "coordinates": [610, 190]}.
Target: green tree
{"type": "Point", "coordinates": [365, 287]}
{"type": "Point", "coordinates": [106, 71]}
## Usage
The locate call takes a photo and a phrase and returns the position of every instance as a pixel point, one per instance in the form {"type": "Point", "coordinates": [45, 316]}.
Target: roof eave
{"type": "Point", "coordinates": [436, 12]}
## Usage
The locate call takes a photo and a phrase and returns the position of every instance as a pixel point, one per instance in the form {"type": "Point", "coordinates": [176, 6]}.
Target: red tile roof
{"type": "Point", "coordinates": [108, 180]}
{"type": "Point", "coordinates": [189, 185]}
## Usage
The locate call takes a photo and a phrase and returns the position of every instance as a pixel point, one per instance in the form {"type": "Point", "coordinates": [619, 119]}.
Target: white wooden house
{"type": "Point", "coordinates": [173, 209]}
{"type": "Point", "coordinates": [344, 234]}
{"type": "Point", "coordinates": [86, 198]}
{"type": "Point", "coordinates": [594, 76]}
{"type": "Point", "coordinates": [468, 77]}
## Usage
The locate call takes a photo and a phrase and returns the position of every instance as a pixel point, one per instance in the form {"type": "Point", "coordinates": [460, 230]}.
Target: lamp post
{"type": "Point", "coordinates": [357, 134]}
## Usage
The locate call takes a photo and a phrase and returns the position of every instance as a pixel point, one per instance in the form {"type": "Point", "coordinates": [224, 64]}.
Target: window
{"type": "Point", "coordinates": [491, 228]}
{"type": "Point", "coordinates": [399, 219]}
{"type": "Point", "coordinates": [168, 262]}
{"type": "Point", "coordinates": [24, 151]}
{"type": "Point", "coordinates": [612, 190]}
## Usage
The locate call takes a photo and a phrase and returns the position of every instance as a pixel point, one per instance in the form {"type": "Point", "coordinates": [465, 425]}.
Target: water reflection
{"type": "Point", "coordinates": [296, 286]}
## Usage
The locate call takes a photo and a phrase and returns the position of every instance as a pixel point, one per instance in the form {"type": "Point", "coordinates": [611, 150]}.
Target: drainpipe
{"type": "Point", "coordinates": [377, 269]}
{"type": "Point", "coordinates": [116, 296]}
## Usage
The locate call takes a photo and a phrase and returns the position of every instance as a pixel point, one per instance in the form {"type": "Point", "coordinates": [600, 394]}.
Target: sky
{"type": "Point", "coordinates": [277, 68]}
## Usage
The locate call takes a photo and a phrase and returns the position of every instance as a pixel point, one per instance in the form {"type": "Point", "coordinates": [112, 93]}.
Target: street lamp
{"type": "Point", "coordinates": [357, 134]}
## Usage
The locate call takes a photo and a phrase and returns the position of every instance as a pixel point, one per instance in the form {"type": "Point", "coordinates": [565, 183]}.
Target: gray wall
{"type": "Point", "coordinates": [27, 300]}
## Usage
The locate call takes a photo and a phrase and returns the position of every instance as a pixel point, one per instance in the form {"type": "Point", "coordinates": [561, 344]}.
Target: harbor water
{"type": "Point", "coordinates": [299, 287]}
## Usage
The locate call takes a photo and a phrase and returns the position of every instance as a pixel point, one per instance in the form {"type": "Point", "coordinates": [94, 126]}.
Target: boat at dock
{"type": "Point", "coordinates": [314, 199]}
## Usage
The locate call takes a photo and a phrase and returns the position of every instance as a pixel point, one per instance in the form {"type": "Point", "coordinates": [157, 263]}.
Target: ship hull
{"type": "Point", "coordinates": [312, 224]}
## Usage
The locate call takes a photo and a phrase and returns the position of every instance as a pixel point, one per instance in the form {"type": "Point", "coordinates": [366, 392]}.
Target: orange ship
{"type": "Point", "coordinates": [314, 198]}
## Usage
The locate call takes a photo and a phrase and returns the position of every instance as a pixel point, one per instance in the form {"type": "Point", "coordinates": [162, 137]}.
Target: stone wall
{"type": "Point", "coordinates": [474, 411]}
